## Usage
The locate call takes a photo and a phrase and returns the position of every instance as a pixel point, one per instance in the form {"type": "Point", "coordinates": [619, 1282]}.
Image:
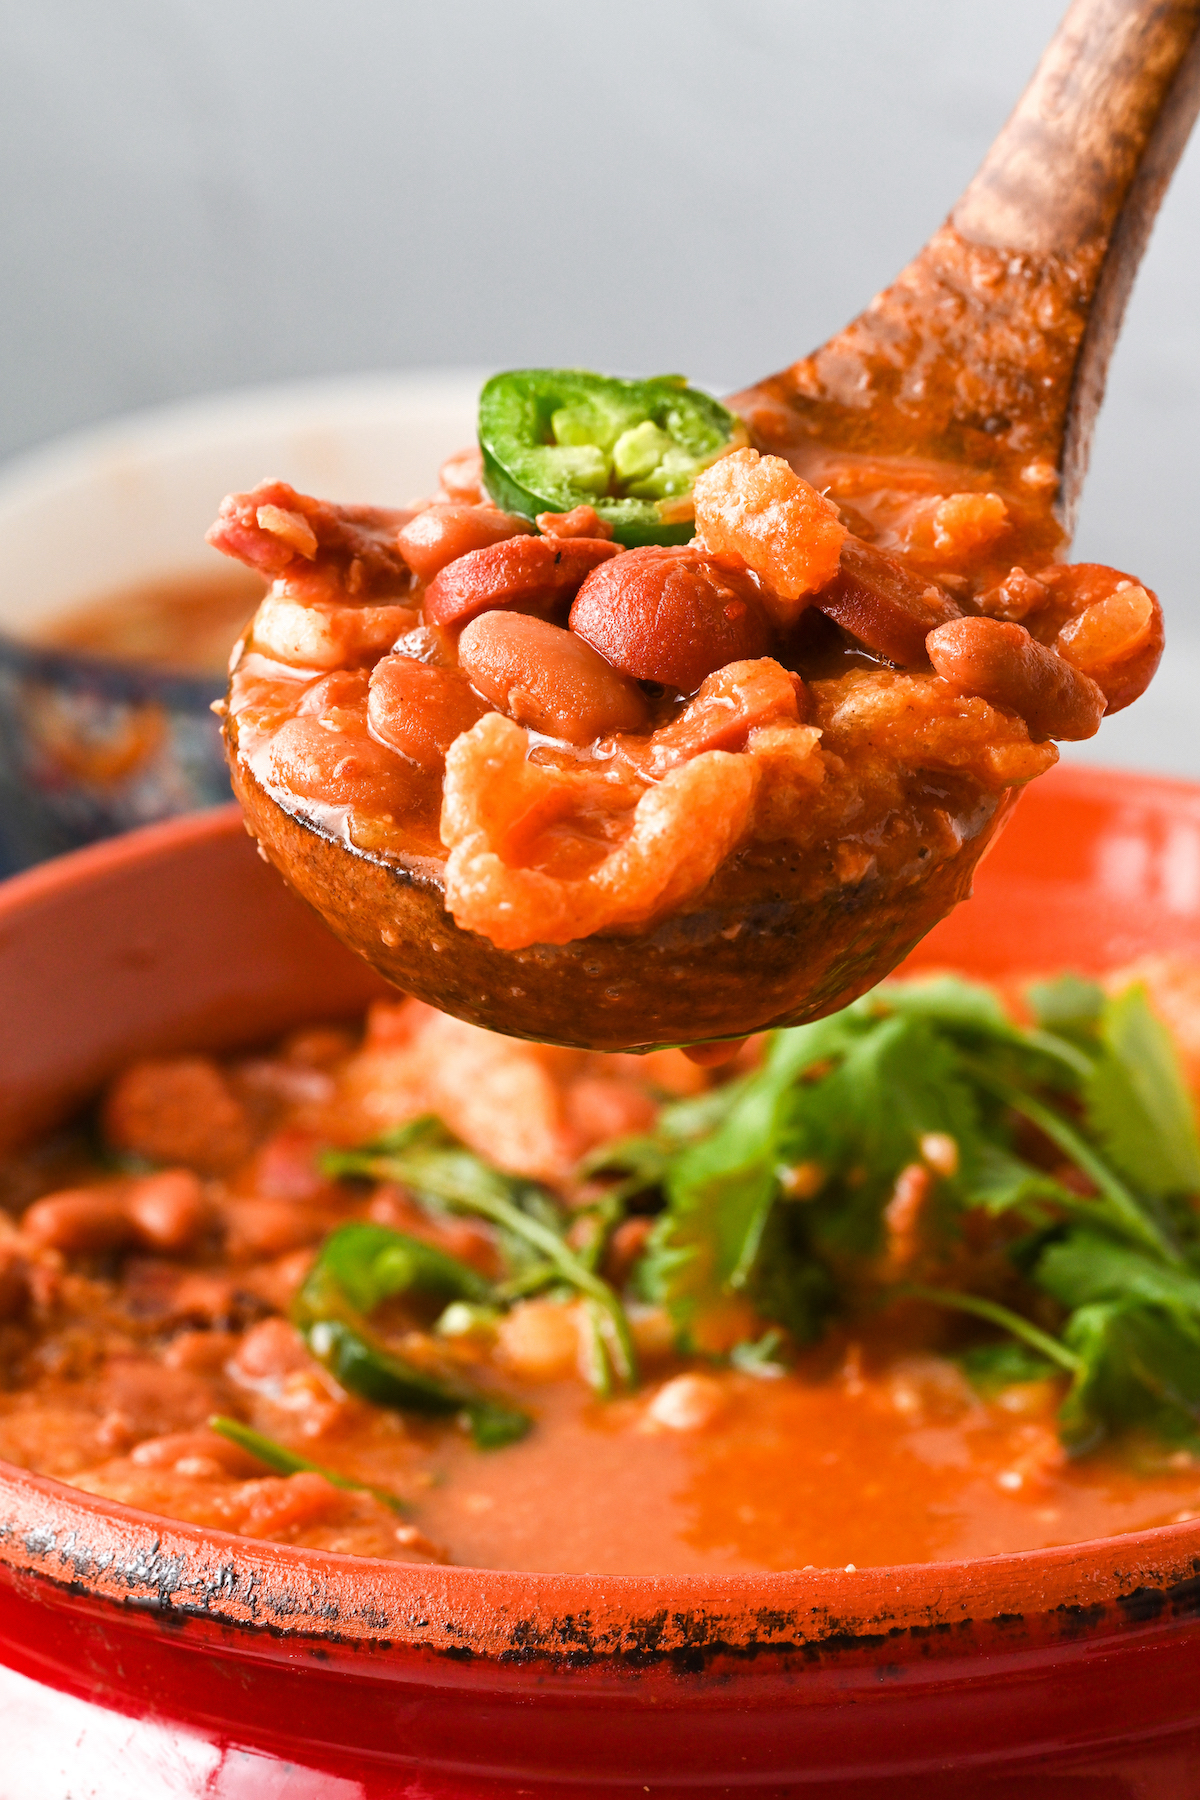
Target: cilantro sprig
{"type": "Point", "coordinates": [1056, 1205]}
{"type": "Point", "coordinates": [1075, 1137]}
{"type": "Point", "coordinates": [425, 1158]}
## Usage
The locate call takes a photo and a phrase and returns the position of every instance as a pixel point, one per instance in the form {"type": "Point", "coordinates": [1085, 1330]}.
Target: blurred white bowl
{"type": "Point", "coordinates": [89, 747]}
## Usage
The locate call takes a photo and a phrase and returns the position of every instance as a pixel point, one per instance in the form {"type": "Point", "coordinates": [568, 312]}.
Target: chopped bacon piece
{"type": "Point", "coordinates": [881, 603]}
{"type": "Point", "coordinates": [283, 533]}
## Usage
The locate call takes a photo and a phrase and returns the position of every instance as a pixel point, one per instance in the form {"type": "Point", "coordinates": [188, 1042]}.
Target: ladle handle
{"type": "Point", "coordinates": [1080, 168]}
{"type": "Point", "coordinates": [1088, 151]}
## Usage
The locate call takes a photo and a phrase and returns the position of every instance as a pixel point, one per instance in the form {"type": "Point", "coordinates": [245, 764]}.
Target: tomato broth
{"type": "Point", "coordinates": [150, 1269]}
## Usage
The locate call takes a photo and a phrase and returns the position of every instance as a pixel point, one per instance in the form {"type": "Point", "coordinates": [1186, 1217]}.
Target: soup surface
{"type": "Point", "coordinates": [157, 1271]}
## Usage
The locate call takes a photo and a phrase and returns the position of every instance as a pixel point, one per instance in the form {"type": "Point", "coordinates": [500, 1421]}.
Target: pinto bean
{"type": "Point", "coordinates": [671, 615]}
{"type": "Point", "coordinates": [169, 1210]}
{"type": "Point", "coordinates": [340, 768]}
{"type": "Point", "coordinates": [580, 522]}
{"type": "Point", "coordinates": [159, 1212]}
{"type": "Point", "coordinates": [442, 533]}
{"type": "Point", "coordinates": [461, 475]}
{"type": "Point", "coordinates": [80, 1221]}
{"type": "Point", "coordinates": [529, 574]}
{"type": "Point", "coordinates": [1002, 664]}
{"type": "Point", "coordinates": [549, 679]}
{"type": "Point", "coordinates": [881, 603]}
{"type": "Point", "coordinates": [419, 709]}
{"type": "Point", "coordinates": [337, 696]}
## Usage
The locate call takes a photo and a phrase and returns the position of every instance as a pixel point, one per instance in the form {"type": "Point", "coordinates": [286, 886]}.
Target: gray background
{"type": "Point", "coordinates": [197, 194]}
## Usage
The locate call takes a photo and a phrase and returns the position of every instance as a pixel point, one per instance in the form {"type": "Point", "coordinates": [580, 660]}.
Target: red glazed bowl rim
{"type": "Point", "coordinates": [118, 1553]}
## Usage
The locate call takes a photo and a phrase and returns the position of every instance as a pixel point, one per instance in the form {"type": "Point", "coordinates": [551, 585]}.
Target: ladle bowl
{"type": "Point", "coordinates": [987, 355]}
{"type": "Point", "coordinates": [723, 970]}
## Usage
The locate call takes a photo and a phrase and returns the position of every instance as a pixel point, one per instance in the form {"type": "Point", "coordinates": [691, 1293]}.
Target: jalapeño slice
{"type": "Point", "coordinates": [553, 439]}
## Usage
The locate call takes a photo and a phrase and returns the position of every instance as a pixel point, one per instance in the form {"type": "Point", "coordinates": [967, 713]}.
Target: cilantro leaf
{"type": "Point", "coordinates": [897, 1083]}
{"type": "Point", "coordinates": [1083, 1267]}
{"type": "Point", "coordinates": [1000, 1181]}
{"type": "Point", "coordinates": [992, 1367]}
{"type": "Point", "coordinates": [1138, 1364]}
{"type": "Point", "coordinates": [1067, 1005]}
{"type": "Point", "coordinates": [1137, 1105]}
{"type": "Point", "coordinates": [720, 1190]}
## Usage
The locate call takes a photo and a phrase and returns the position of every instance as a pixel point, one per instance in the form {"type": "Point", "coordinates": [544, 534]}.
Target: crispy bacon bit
{"type": "Point", "coordinates": [1014, 598]}
{"type": "Point", "coordinates": [757, 508]}
{"type": "Point", "coordinates": [964, 523]}
{"type": "Point", "coordinates": [760, 510]}
{"type": "Point", "coordinates": [884, 605]}
{"type": "Point", "coordinates": [919, 723]}
{"type": "Point", "coordinates": [507, 823]}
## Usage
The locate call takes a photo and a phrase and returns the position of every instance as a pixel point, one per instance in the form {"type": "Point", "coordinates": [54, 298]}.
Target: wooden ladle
{"type": "Point", "coordinates": [989, 352]}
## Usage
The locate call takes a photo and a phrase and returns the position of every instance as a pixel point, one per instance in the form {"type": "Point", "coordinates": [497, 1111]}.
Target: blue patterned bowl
{"type": "Point", "coordinates": [90, 747]}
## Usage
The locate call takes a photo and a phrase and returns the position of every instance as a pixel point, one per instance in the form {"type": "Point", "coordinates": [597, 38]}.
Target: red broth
{"type": "Point", "coordinates": [135, 1305]}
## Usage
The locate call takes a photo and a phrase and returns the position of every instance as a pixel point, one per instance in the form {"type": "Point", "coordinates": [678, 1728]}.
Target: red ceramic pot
{"type": "Point", "coordinates": [142, 1658]}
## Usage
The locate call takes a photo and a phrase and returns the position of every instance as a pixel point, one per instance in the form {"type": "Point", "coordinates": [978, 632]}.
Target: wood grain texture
{"type": "Point", "coordinates": [991, 347]}
{"type": "Point", "coordinates": [1082, 166]}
